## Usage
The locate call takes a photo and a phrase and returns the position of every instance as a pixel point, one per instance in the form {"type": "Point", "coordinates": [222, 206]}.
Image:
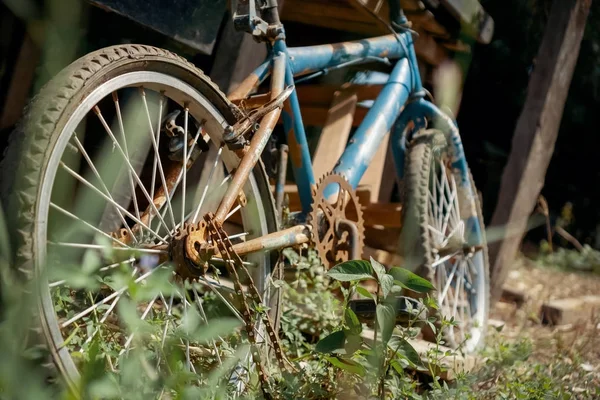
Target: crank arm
{"type": "Point", "coordinates": [293, 236]}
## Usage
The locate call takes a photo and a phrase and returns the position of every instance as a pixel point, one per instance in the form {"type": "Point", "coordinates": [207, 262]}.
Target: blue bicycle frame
{"type": "Point", "coordinates": [400, 109]}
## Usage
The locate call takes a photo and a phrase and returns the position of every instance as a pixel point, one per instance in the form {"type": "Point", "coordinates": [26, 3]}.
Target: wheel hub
{"type": "Point", "coordinates": [191, 251]}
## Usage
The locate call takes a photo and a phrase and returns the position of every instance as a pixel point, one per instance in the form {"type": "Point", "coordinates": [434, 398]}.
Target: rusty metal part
{"type": "Point", "coordinates": [244, 88]}
{"type": "Point", "coordinates": [281, 174]}
{"type": "Point", "coordinates": [198, 251]}
{"type": "Point", "coordinates": [257, 144]}
{"type": "Point", "coordinates": [250, 315]}
{"type": "Point", "coordinates": [293, 236]}
{"type": "Point", "coordinates": [234, 136]}
{"type": "Point", "coordinates": [190, 251]}
{"type": "Point", "coordinates": [171, 127]}
{"type": "Point", "coordinates": [337, 222]}
{"type": "Point", "coordinates": [344, 225]}
{"type": "Point", "coordinates": [122, 235]}
{"type": "Point", "coordinates": [252, 102]}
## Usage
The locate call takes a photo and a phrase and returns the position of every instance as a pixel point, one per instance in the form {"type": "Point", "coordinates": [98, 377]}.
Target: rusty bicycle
{"type": "Point", "coordinates": [132, 160]}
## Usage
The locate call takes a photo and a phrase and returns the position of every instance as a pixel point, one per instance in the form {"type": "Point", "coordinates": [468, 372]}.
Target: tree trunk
{"type": "Point", "coordinates": [536, 132]}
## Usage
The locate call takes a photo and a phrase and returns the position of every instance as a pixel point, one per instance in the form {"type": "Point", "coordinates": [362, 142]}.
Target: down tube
{"type": "Point", "coordinates": [296, 138]}
{"type": "Point", "coordinates": [377, 123]}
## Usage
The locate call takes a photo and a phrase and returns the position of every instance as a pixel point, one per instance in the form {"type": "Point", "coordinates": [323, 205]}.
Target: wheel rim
{"type": "Point", "coordinates": [459, 273]}
{"type": "Point", "coordinates": [169, 91]}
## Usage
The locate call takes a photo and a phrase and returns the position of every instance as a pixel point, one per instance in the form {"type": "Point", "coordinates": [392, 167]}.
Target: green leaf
{"type": "Point", "coordinates": [409, 280]}
{"type": "Point", "coordinates": [352, 323]}
{"type": "Point", "coordinates": [353, 343]}
{"type": "Point", "coordinates": [355, 270]}
{"type": "Point", "coordinates": [347, 365]}
{"type": "Point", "coordinates": [378, 268]}
{"type": "Point", "coordinates": [364, 292]}
{"type": "Point", "coordinates": [221, 327]}
{"type": "Point", "coordinates": [397, 367]}
{"type": "Point", "coordinates": [332, 343]}
{"type": "Point", "coordinates": [404, 350]}
{"type": "Point", "coordinates": [386, 320]}
{"type": "Point", "coordinates": [385, 281]}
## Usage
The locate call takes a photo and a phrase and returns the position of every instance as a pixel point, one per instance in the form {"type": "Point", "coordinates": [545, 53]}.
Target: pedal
{"type": "Point", "coordinates": [407, 309]}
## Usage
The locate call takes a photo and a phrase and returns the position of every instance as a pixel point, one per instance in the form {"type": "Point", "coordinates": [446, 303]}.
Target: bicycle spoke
{"type": "Point", "coordinates": [448, 283]}
{"type": "Point", "coordinates": [232, 212]}
{"type": "Point", "coordinates": [238, 235]}
{"type": "Point", "coordinates": [178, 181]}
{"type": "Point", "coordinates": [457, 289]}
{"type": "Point", "coordinates": [210, 175]}
{"type": "Point", "coordinates": [125, 147]}
{"type": "Point", "coordinates": [220, 296]}
{"type": "Point", "coordinates": [203, 315]}
{"type": "Point", "coordinates": [143, 317]}
{"type": "Point", "coordinates": [155, 158]}
{"type": "Point", "coordinates": [184, 163]}
{"type": "Point", "coordinates": [111, 266]}
{"type": "Point", "coordinates": [156, 151]}
{"type": "Point", "coordinates": [101, 247]}
{"type": "Point", "coordinates": [134, 173]}
{"type": "Point", "coordinates": [169, 307]}
{"type": "Point", "coordinates": [106, 314]}
{"type": "Point", "coordinates": [187, 341]}
{"type": "Point", "coordinates": [88, 184]}
{"type": "Point", "coordinates": [92, 227]}
{"type": "Point", "coordinates": [105, 300]}
{"type": "Point", "coordinates": [97, 174]}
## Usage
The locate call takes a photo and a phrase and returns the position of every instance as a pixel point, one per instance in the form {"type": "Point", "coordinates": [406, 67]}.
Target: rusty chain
{"type": "Point", "coordinates": [225, 247]}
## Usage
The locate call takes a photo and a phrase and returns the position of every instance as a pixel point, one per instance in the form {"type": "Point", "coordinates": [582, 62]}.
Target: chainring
{"type": "Point", "coordinates": [323, 216]}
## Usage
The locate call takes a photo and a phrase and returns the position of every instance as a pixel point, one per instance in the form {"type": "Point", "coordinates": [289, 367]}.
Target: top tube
{"type": "Point", "coordinates": [308, 59]}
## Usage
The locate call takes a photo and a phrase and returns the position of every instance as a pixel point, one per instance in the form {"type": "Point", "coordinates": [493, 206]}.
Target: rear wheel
{"type": "Point", "coordinates": [117, 153]}
{"type": "Point", "coordinates": [439, 220]}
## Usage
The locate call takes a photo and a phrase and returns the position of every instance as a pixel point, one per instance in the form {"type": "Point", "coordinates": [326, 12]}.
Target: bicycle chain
{"type": "Point", "coordinates": [225, 247]}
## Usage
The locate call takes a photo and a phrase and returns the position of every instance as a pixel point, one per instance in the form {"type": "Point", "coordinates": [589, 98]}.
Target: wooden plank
{"type": "Point", "coordinates": [388, 215]}
{"type": "Point", "coordinates": [373, 176]}
{"type": "Point", "coordinates": [536, 132]}
{"type": "Point", "coordinates": [291, 190]}
{"type": "Point", "coordinates": [513, 295]}
{"type": "Point", "coordinates": [384, 257]}
{"type": "Point", "coordinates": [570, 311]}
{"type": "Point", "coordinates": [367, 28]}
{"type": "Point", "coordinates": [426, 19]}
{"type": "Point", "coordinates": [323, 94]}
{"type": "Point", "coordinates": [382, 238]}
{"type": "Point", "coordinates": [336, 130]}
{"type": "Point", "coordinates": [317, 116]}
{"type": "Point", "coordinates": [428, 49]}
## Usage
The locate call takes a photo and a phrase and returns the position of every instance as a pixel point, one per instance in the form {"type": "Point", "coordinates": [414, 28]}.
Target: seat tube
{"type": "Point", "coordinates": [299, 154]}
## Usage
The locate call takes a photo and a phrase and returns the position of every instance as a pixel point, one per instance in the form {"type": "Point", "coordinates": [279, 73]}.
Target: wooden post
{"type": "Point", "coordinates": [536, 132]}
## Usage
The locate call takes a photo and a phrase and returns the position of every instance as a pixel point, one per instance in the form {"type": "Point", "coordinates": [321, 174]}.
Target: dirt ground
{"type": "Point", "coordinates": [577, 343]}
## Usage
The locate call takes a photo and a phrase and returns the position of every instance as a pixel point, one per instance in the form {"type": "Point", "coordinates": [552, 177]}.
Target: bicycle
{"type": "Point", "coordinates": [92, 169]}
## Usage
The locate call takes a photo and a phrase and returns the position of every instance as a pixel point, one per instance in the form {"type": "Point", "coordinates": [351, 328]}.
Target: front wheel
{"type": "Point", "coordinates": [116, 154]}
{"type": "Point", "coordinates": [440, 218]}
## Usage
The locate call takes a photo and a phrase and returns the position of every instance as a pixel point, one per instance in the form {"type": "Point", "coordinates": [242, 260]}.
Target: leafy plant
{"type": "Point", "coordinates": [351, 349]}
